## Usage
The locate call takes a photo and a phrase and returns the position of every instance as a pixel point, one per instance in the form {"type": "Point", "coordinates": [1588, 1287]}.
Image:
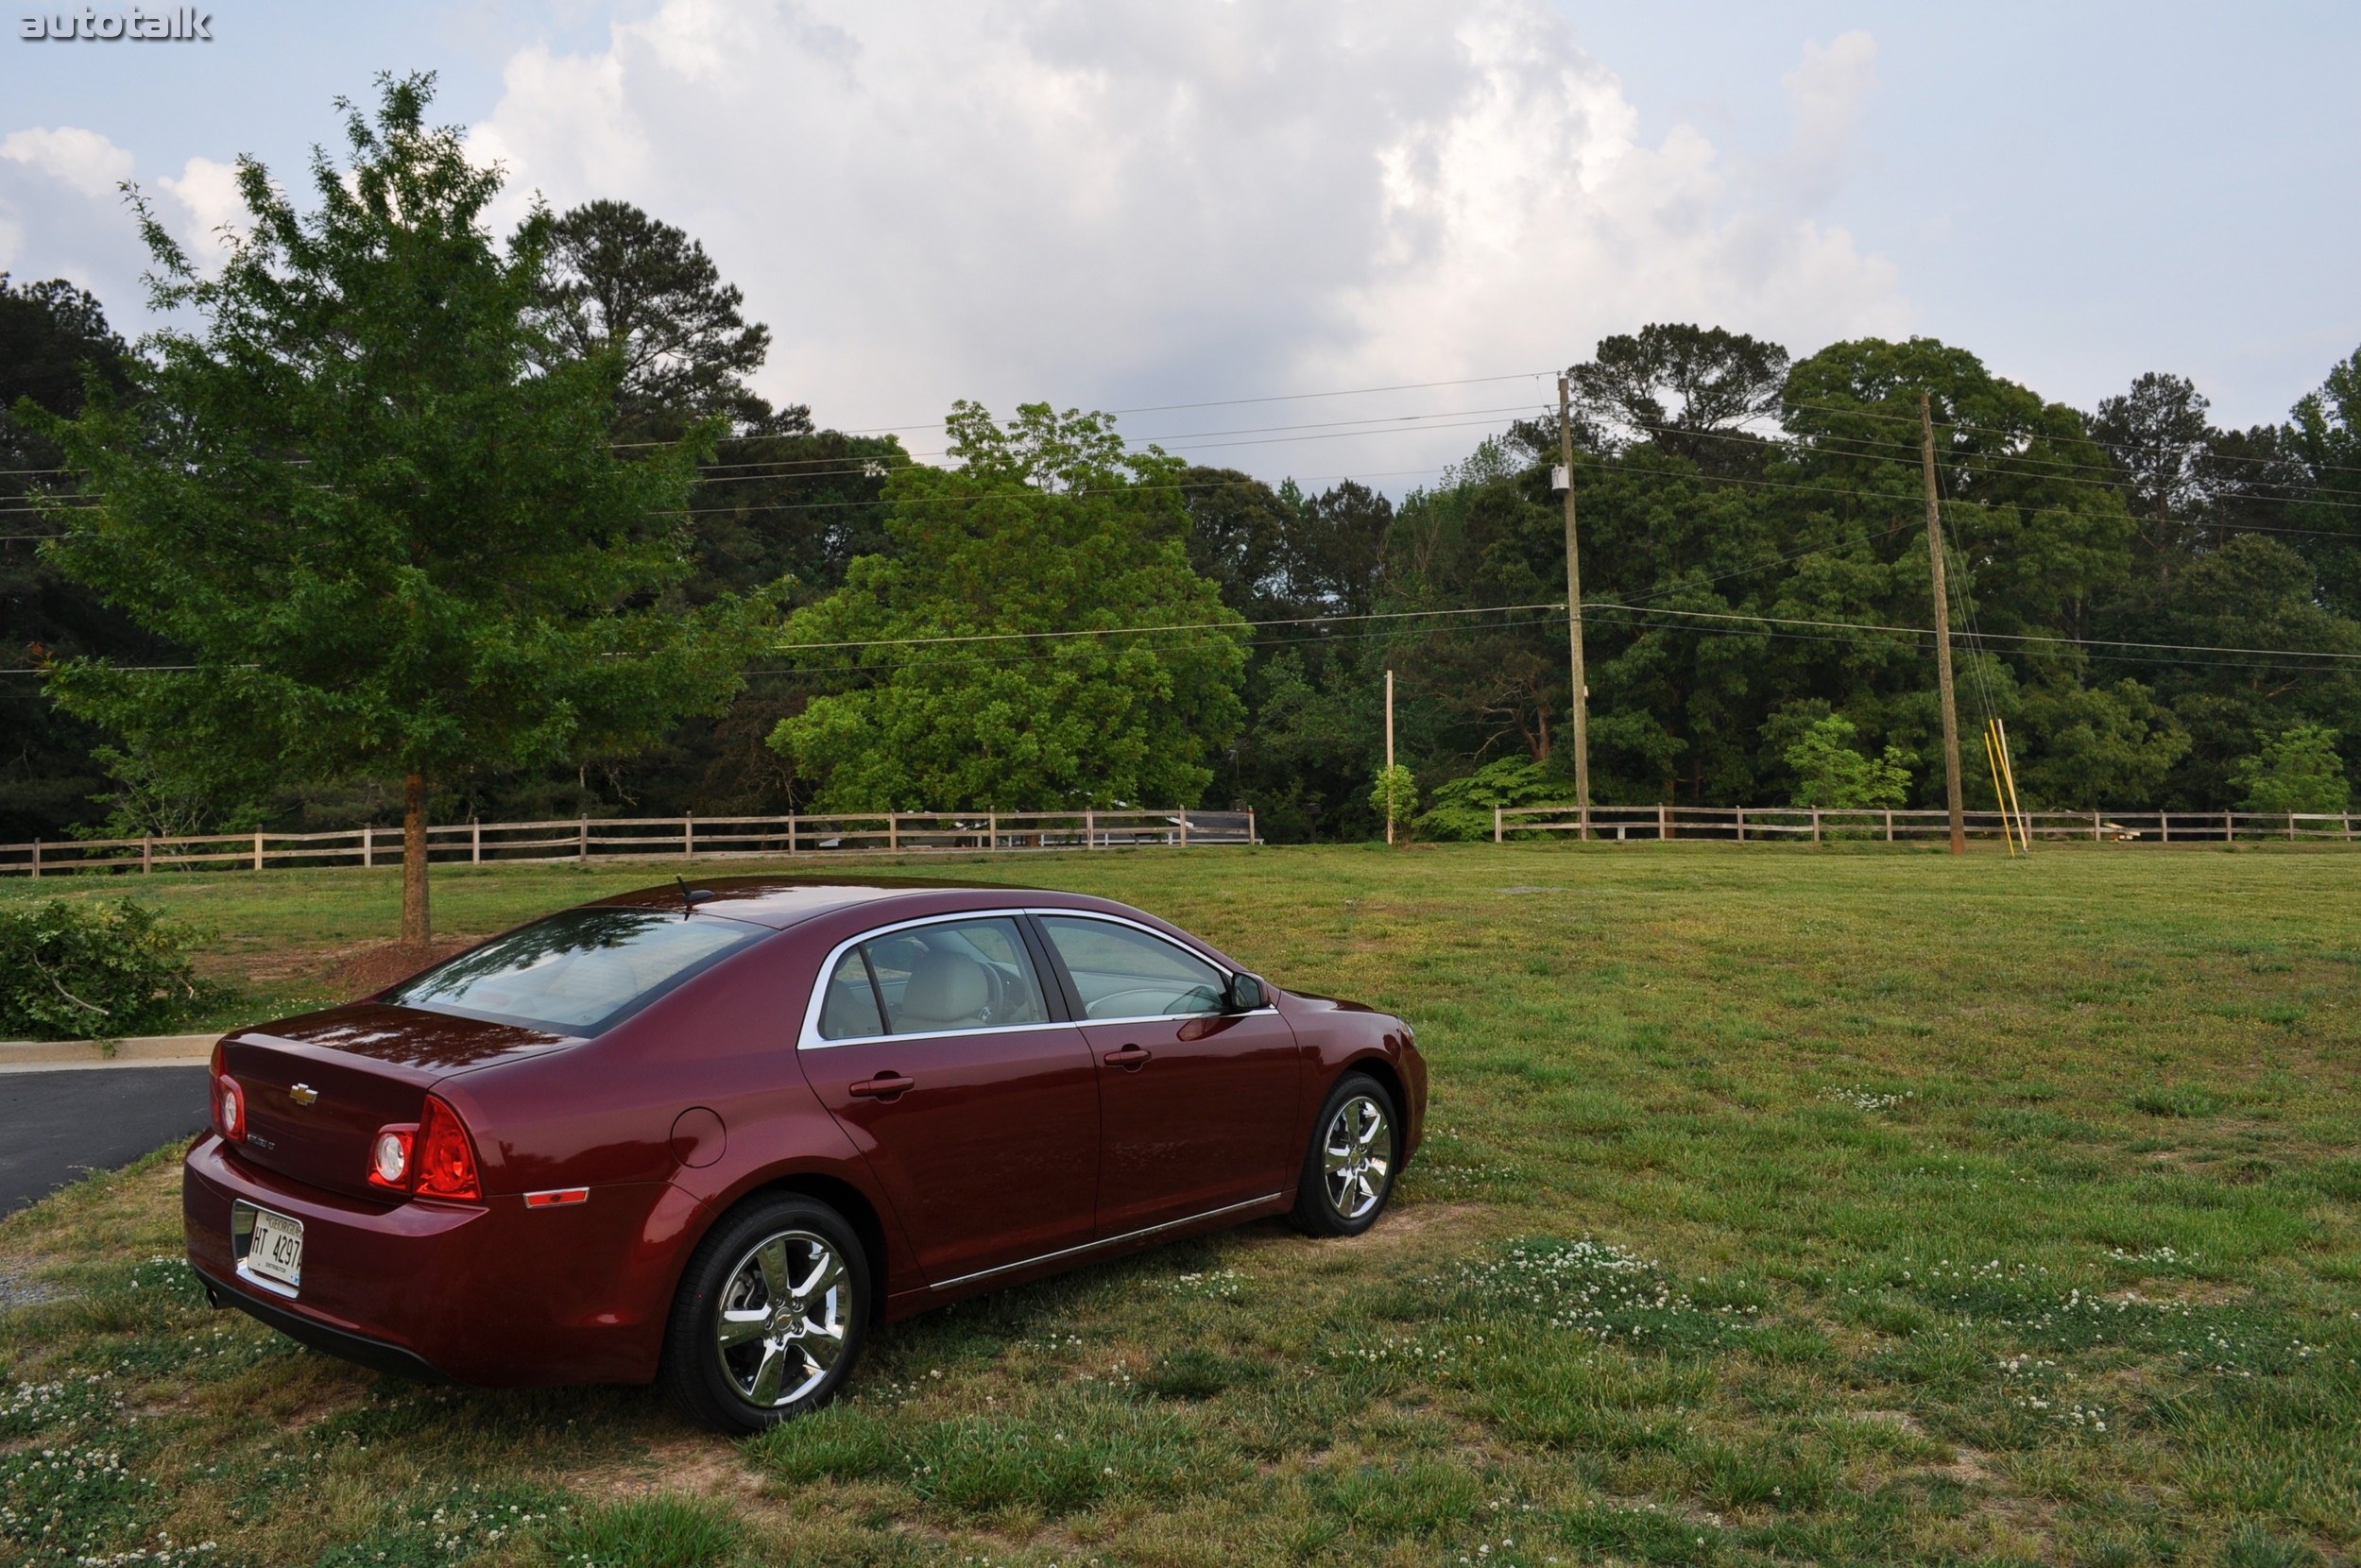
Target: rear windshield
{"type": "Point", "coordinates": [576, 973]}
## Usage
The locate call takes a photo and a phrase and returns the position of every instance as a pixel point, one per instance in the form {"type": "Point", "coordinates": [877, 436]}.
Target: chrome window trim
{"type": "Point", "coordinates": [808, 1038]}
{"type": "Point", "coordinates": [1108, 1241]}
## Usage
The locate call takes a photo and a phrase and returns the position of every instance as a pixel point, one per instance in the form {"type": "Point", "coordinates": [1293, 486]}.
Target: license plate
{"type": "Point", "coordinates": [277, 1249]}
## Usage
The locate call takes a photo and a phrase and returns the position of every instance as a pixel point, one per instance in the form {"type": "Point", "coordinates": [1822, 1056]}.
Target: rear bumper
{"type": "Point", "coordinates": [356, 1348]}
{"type": "Point", "coordinates": [487, 1293]}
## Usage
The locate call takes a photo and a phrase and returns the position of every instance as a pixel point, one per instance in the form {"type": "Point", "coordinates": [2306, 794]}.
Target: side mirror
{"type": "Point", "coordinates": [1246, 993]}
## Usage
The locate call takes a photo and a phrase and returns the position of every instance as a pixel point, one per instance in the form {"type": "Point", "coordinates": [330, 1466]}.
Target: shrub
{"type": "Point", "coordinates": [1462, 808]}
{"type": "Point", "coordinates": [70, 972]}
{"type": "Point", "coordinates": [1396, 794]}
{"type": "Point", "coordinates": [2299, 771]}
{"type": "Point", "coordinates": [1829, 773]}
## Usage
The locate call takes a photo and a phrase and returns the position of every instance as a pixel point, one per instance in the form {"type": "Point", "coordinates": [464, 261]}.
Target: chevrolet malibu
{"type": "Point", "coordinates": [708, 1137]}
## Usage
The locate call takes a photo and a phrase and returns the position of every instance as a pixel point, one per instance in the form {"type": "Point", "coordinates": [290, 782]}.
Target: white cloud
{"type": "Point", "coordinates": [1133, 203]}
{"type": "Point", "coordinates": [82, 161]}
{"type": "Point", "coordinates": [60, 211]}
{"type": "Point", "coordinates": [208, 191]}
{"type": "Point", "coordinates": [1830, 89]}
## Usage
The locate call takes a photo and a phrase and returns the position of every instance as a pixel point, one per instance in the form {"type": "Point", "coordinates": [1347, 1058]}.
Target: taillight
{"type": "Point", "coordinates": [445, 1158]}
{"type": "Point", "coordinates": [229, 1108]}
{"type": "Point", "coordinates": [432, 1157]}
{"type": "Point", "coordinates": [390, 1157]}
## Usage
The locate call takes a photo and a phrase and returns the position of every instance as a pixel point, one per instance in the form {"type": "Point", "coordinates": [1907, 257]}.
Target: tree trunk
{"type": "Point", "coordinates": [417, 926]}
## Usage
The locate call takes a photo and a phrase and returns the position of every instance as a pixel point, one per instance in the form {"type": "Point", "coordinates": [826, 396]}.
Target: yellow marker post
{"type": "Point", "coordinates": [1999, 797]}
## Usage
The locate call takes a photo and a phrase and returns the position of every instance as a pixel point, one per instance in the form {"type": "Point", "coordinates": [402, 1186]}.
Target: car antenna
{"type": "Point", "coordinates": [691, 897]}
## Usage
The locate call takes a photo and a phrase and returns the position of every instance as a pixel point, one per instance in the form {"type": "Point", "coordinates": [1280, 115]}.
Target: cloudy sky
{"type": "Point", "coordinates": [1133, 206]}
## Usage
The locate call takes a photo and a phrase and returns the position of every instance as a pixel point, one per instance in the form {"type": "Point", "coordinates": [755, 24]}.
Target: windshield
{"type": "Point", "coordinates": [577, 972]}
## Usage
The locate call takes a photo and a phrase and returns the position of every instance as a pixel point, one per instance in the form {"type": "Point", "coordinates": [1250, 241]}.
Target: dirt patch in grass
{"type": "Point", "coordinates": [705, 1466]}
{"type": "Point", "coordinates": [371, 966]}
{"type": "Point", "coordinates": [1404, 1226]}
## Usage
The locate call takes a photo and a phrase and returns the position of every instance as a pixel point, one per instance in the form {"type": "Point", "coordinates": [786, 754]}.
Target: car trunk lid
{"type": "Point", "coordinates": [317, 1088]}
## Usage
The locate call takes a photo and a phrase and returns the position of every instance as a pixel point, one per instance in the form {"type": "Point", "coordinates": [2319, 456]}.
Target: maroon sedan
{"type": "Point", "coordinates": [708, 1136]}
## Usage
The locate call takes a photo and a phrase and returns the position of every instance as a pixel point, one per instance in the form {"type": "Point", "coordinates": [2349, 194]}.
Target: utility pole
{"type": "Point", "coordinates": [1942, 630]}
{"type": "Point", "coordinates": [1389, 755]}
{"type": "Point", "coordinates": [1574, 608]}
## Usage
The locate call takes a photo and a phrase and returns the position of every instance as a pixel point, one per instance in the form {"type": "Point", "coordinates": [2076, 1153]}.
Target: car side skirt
{"type": "Point", "coordinates": [905, 1303]}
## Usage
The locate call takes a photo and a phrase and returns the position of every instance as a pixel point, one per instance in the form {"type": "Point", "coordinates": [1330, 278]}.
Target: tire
{"type": "Point", "coordinates": [1349, 1170]}
{"type": "Point", "coordinates": [793, 1283]}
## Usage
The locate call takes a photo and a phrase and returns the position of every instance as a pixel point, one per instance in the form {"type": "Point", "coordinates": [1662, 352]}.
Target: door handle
{"type": "Point", "coordinates": [885, 1086]}
{"type": "Point", "coordinates": [1130, 1058]}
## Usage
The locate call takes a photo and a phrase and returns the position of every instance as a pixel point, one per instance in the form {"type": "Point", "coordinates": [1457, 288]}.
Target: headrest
{"type": "Point", "coordinates": [944, 988]}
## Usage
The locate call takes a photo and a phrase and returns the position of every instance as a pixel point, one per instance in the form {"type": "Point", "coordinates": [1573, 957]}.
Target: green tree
{"type": "Point", "coordinates": [2325, 436]}
{"type": "Point", "coordinates": [1829, 773]}
{"type": "Point", "coordinates": [1687, 390]}
{"type": "Point", "coordinates": [1049, 528]}
{"type": "Point", "coordinates": [383, 519]}
{"type": "Point", "coordinates": [623, 284]}
{"type": "Point", "coordinates": [53, 338]}
{"type": "Point", "coordinates": [2297, 770]}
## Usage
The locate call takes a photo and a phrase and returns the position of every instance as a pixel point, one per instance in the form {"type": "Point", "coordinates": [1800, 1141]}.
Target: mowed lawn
{"type": "Point", "coordinates": [1781, 1204]}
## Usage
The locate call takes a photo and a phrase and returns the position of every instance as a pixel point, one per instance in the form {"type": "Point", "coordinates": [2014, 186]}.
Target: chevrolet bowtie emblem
{"type": "Point", "coordinates": [303, 1094]}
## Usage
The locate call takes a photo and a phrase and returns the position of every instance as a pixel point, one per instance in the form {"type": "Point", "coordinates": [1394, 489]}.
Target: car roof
{"type": "Point", "coordinates": [780, 901]}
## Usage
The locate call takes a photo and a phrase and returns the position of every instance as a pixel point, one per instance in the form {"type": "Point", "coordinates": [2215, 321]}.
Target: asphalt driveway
{"type": "Point", "coordinates": [58, 1127]}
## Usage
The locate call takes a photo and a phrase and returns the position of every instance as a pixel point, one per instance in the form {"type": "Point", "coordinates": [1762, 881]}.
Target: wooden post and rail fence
{"type": "Point", "coordinates": [585, 839]}
{"type": "Point", "coordinates": [1791, 824]}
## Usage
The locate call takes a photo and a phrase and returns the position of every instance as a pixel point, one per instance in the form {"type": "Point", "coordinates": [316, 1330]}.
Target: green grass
{"type": "Point", "coordinates": [1785, 1205]}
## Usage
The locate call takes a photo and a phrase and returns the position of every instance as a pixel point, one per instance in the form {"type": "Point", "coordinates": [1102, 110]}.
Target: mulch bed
{"type": "Point", "coordinates": [374, 968]}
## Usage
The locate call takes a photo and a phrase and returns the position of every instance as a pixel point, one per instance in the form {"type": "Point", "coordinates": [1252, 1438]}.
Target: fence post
{"type": "Point", "coordinates": [893, 829]}
{"type": "Point", "coordinates": [1252, 837]}
{"type": "Point", "coordinates": [368, 847]}
{"type": "Point", "coordinates": [1742, 824]}
{"type": "Point", "coordinates": [1089, 828]}
{"type": "Point", "coordinates": [1664, 822]}
{"type": "Point", "coordinates": [991, 830]}
{"type": "Point", "coordinates": [258, 849]}
{"type": "Point", "coordinates": [689, 836]}
{"type": "Point", "coordinates": [2094, 834]}
{"type": "Point", "coordinates": [2229, 829]}
{"type": "Point", "coordinates": [2163, 827]}
{"type": "Point", "coordinates": [1184, 816]}
{"type": "Point", "coordinates": [2291, 828]}
{"type": "Point", "coordinates": [791, 840]}
{"type": "Point", "coordinates": [147, 853]}
{"type": "Point", "coordinates": [582, 837]}
{"type": "Point", "coordinates": [1815, 825]}
{"type": "Point", "coordinates": [37, 849]}
{"type": "Point", "coordinates": [1495, 824]}
{"type": "Point", "coordinates": [475, 842]}
{"type": "Point", "coordinates": [1890, 824]}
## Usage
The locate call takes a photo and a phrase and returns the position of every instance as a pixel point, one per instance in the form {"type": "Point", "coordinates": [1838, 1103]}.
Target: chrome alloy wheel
{"type": "Point", "coordinates": [1356, 1153]}
{"type": "Point", "coordinates": [783, 1316]}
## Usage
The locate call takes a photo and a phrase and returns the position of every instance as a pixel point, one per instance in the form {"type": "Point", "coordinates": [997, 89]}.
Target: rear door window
{"type": "Point", "coordinates": [934, 979]}
{"type": "Point", "coordinates": [1122, 972]}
